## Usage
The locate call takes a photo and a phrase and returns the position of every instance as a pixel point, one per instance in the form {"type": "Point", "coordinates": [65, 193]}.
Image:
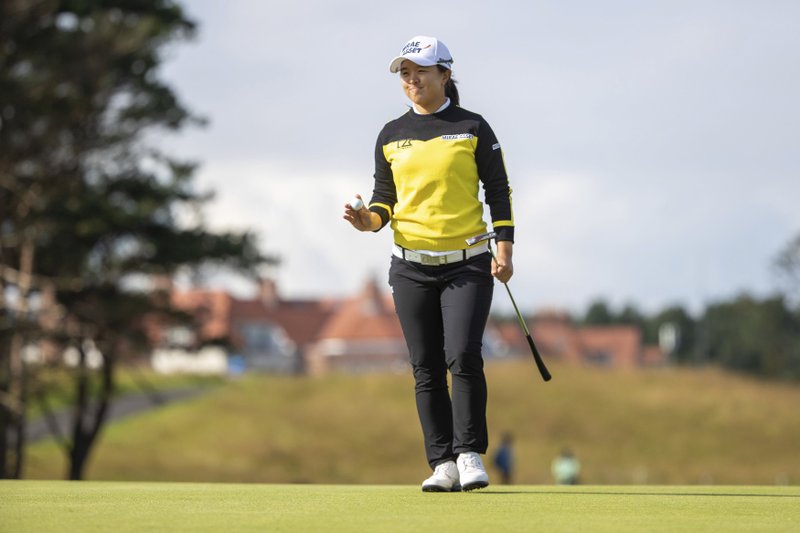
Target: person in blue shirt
{"type": "Point", "coordinates": [504, 459]}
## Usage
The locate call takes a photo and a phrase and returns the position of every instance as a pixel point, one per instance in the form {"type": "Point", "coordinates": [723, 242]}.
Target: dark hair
{"type": "Point", "coordinates": [450, 89]}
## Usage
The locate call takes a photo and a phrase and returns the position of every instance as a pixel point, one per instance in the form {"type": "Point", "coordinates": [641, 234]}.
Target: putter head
{"type": "Point", "coordinates": [472, 241]}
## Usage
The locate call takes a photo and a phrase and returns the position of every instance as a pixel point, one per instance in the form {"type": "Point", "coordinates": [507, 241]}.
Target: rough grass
{"type": "Point", "coordinates": [666, 426]}
{"type": "Point", "coordinates": [44, 506]}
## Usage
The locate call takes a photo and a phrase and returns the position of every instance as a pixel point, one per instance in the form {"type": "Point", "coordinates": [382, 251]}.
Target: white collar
{"type": "Point", "coordinates": [444, 106]}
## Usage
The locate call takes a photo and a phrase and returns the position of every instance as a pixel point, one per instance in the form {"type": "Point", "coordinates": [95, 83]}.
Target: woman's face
{"type": "Point", "coordinates": [423, 85]}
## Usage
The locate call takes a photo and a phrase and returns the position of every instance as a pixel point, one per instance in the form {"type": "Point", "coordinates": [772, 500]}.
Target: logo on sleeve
{"type": "Point", "coordinates": [495, 146]}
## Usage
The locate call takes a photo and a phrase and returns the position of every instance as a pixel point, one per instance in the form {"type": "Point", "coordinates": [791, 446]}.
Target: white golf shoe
{"type": "Point", "coordinates": [444, 479]}
{"type": "Point", "coordinates": [471, 472]}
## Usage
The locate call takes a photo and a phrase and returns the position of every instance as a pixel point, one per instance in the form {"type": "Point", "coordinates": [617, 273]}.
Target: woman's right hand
{"type": "Point", "coordinates": [362, 219]}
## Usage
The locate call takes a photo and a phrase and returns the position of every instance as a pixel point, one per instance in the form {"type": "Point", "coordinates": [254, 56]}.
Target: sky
{"type": "Point", "coordinates": [652, 147]}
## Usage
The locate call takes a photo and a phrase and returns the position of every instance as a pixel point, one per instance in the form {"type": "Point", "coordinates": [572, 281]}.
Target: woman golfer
{"type": "Point", "coordinates": [429, 165]}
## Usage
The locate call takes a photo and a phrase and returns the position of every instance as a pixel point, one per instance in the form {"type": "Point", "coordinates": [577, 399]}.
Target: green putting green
{"type": "Point", "coordinates": [42, 506]}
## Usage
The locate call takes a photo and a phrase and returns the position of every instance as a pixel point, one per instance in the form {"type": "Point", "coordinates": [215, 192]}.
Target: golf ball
{"type": "Point", "coordinates": [356, 204]}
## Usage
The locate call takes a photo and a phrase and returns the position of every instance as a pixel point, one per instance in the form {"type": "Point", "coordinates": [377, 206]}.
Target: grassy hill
{"type": "Point", "coordinates": [662, 426]}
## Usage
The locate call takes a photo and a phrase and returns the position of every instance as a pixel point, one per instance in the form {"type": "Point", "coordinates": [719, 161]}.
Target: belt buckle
{"type": "Point", "coordinates": [432, 260]}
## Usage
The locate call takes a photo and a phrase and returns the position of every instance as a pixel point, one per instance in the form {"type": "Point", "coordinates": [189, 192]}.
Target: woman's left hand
{"type": "Point", "coordinates": [503, 266]}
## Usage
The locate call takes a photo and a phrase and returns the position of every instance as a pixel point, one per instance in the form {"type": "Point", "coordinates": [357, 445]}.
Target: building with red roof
{"type": "Point", "coordinates": [362, 333]}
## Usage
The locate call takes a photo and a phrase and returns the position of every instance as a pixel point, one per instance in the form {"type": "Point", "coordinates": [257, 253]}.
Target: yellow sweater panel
{"type": "Point", "coordinates": [437, 192]}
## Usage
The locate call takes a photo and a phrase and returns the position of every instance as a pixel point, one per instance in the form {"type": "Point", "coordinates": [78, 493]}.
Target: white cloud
{"type": "Point", "coordinates": [651, 147]}
{"type": "Point", "coordinates": [298, 213]}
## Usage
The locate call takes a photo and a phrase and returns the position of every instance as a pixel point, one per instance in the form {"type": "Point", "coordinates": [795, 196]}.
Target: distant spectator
{"type": "Point", "coordinates": [566, 468]}
{"type": "Point", "coordinates": [504, 459]}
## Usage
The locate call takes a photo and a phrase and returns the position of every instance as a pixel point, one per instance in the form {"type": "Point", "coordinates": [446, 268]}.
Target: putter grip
{"type": "Point", "coordinates": [538, 358]}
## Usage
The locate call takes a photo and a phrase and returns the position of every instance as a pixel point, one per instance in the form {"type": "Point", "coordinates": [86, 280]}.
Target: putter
{"type": "Point", "coordinates": [536, 356]}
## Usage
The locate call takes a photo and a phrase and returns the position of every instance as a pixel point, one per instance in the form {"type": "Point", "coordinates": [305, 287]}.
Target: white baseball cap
{"type": "Point", "coordinates": [424, 51]}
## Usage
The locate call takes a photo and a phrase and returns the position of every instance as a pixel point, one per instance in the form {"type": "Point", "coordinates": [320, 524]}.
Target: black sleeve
{"type": "Point", "coordinates": [492, 173]}
{"type": "Point", "coordinates": [384, 194]}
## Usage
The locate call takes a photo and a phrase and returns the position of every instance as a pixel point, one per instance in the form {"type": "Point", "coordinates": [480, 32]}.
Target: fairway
{"type": "Point", "coordinates": [43, 506]}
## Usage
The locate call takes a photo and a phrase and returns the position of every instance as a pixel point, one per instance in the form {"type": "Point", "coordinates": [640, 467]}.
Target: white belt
{"type": "Point", "coordinates": [443, 259]}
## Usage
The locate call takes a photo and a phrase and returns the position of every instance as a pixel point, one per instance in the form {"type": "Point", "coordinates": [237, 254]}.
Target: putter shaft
{"type": "Point", "coordinates": [534, 350]}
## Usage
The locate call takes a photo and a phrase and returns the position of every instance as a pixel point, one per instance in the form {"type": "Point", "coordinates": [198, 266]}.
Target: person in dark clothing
{"type": "Point", "coordinates": [504, 459]}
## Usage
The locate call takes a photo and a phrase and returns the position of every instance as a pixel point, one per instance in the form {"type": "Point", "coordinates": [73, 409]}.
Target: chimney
{"type": "Point", "coordinates": [163, 283]}
{"type": "Point", "coordinates": [268, 292]}
{"type": "Point", "coordinates": [371, 298]}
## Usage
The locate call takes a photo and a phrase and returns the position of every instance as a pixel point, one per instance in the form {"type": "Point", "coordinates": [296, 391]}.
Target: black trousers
{"type": "Point", "coordinates": [443, 312]}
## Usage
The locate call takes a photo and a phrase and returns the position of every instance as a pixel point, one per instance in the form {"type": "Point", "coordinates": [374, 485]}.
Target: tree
{"type": "Point", "coordinates": [787, 266]}
{"type": "Point", "coordinates": [631, 315]}
{"type": "Point", "coordinates": [91, 212]}
{"type": "Point", "coordinates": [758, 337]}
{"type": "Point", "coordinates": [598, 314]}
{"type": "Point", "coordinates": [684, 326]}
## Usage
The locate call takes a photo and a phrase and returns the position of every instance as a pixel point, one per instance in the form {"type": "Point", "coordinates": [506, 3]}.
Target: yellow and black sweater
{"type": "Point", "coordinates": [427, 173]}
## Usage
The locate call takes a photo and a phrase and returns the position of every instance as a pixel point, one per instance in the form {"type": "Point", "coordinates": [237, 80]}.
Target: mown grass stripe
{"type": "Point", "coordinates": [44, 506]}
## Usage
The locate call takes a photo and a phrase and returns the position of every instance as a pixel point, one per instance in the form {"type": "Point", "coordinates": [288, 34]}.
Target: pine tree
{"type": "Point", "coordinates": [89, 209]}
